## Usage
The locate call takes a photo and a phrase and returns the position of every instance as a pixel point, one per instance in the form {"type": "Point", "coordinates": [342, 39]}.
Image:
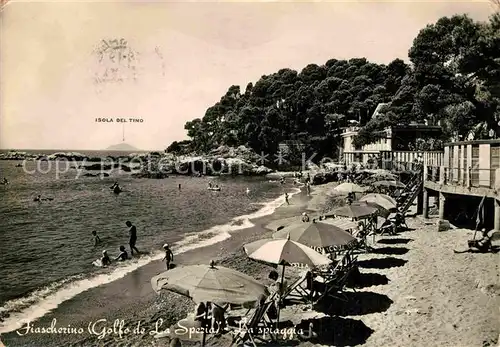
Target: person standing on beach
{"type": "Point", "coordinates": [133, 237]}
{"type": "Point", "coordinates": [97, 240]}
{"type": "Point", "coordinates": [286, 199]}
{"type": "Point", "coordinates": [169, 256]}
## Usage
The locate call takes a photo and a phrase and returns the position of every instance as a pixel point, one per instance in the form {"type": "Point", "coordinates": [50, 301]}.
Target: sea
{"type": "Point", "coordinates": [48, 249]}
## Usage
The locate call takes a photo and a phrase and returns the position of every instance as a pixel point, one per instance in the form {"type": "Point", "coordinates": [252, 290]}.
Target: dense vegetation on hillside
{"type": "Point", "coordinates": [454, 78]}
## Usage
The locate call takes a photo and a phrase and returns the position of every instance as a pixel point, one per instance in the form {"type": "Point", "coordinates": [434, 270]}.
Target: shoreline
{"type": "Point", "coordinates": [125, 298]}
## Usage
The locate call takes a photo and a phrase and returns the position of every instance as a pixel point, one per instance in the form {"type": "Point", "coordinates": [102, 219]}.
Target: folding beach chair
{"type": "Point", "coordinates": [389, 227]}
{"type": "Point", "coordinates": [256, 327]}
{"type": "Point", "coordinates": [334, 287]}
{"type": "Point", "coordinates": [297, 290]}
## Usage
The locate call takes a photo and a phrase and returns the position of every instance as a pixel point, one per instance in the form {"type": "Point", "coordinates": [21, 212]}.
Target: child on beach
{"type": "Point", "coordinates": [123, 254]}
{"type": "Point", "coordinates": [305, 217]}
{"type": "Point", "coordinates": [169, 256]}
{"type": "Point", "coordinates": [105, 260]}
{"type": "Point", "coordinates": [97, 240]}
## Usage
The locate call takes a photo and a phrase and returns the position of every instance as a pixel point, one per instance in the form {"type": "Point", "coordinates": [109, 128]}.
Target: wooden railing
{"type": "Point", "coordinates": [466, 177]}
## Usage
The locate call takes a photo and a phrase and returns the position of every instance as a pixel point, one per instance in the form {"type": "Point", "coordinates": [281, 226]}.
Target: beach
{"type": "Point", "coordinates": [413, 290]}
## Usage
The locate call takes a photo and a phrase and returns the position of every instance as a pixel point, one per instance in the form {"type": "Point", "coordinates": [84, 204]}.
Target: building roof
{"type": "Point", "coordinates": [379, 107]}
{"type": "Point", "coordinates": [412, 127]}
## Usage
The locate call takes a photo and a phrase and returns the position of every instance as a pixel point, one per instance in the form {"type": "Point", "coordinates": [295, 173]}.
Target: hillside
{"type": "Point", "coordinates": [122, 147]}
{"type": "Point", "coordinates": [453, 80]}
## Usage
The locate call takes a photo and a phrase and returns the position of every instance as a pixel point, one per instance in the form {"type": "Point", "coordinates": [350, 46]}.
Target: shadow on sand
{"type": "Point", "coordinates": [390, 250]}
{"type": "Point", "coordinates": [357, 304]}
{"type": "Point", "coordinates": [381, 263]}
{"type": "Point", "coordinates": [394, 241]}
{"type": "Point", "coordinates": [336, 331]}
{"type": "Point", "coordinates": [363, 280]}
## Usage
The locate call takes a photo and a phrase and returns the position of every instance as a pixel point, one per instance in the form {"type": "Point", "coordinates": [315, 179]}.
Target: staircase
{"type": "Point", "coordinates": [410, 193]}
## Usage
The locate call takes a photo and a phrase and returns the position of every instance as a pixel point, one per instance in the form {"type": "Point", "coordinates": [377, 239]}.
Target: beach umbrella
{"type": "Point", "coordinates": [355, 210]}
{"type": "Point", "coordinates": [394, 183]}
{"type": "Point", "coordinates": [346, 188]}
{"type": "Point", "coordinates": [316, 234]}
{"type": "Point", "coordinates": [274, 225]}
{"type": "Point", "coordinates": [341, 222]}
{"type": "Point", "coordinates": [382, 200]}
{"type": "Point", "coordinates": [381, 211]}
{"type": "Point", "coordinates": [284, 252]}
{"type": "Point", "coordinates": [210, 283]}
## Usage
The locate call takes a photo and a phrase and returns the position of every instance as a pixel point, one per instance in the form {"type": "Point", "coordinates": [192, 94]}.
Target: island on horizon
{"type": "Point", "coordinates": [122, 147]}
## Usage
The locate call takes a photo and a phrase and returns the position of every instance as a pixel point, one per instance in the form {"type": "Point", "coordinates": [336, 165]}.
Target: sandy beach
{"type": "Point", "coordinates": [413, 291]}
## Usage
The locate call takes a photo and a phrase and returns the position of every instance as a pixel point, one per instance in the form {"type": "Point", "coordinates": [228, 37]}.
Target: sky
{"type": "Point", "coordinates": [178, 60]}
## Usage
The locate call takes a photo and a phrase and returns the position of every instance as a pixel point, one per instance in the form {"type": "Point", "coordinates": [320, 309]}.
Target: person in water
{"type": "Point", "coordinates": [179, 186]}
{"type": "Point", "coordinates": [123, 254]}
{"type": "Point", "coordinates": [169, 256]}
{"type": "Point", "coordinates": [133, 238]}
{"type": "Point", "coordinates": [97, 239]}
{"type": "Point", "coordinates": [5, 181]}
{"type": "Point", "coordinates": [248, 191]}
{"type": "Point", "coordinates": [286, 199]}
{"type": "Point", "coordinates": [105, 260]}
{"type": "Point", "coordinates": [116, 188]}
{"type": "Point", "coordinates": [38, 198]}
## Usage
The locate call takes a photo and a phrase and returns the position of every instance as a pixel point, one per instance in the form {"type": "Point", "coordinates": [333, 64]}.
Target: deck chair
{"type": "Point", "coordinates": [344, 264]}
{"type": "Point", "coordinates": [255, 327]}
{"type": "Point", "coordinates": [361, 238]}
{"type": "Point", "coordinates": [334, 287]}
{"type": "Point", "coordinates": [296, 290]}
{"type": "Point", "coordinates": [389, 227]}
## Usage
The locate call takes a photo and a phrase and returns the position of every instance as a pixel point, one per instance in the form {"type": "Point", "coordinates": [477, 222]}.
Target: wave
{"type": "Point", "coordinates": [18, 312]}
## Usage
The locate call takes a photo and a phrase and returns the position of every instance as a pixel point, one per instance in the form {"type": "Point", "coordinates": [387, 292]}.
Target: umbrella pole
{"type": "Point", "coordinates": [281, 291]}
{"type": "Point", "coordinates": [205, 321]}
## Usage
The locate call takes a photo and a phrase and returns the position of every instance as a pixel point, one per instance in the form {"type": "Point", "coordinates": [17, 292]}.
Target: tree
{"type": "Point", "coordinates": [453, 80]}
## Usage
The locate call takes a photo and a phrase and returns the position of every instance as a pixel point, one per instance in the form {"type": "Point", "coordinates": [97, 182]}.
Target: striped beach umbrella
{"type": "Point", "coordinates": [316, 234]}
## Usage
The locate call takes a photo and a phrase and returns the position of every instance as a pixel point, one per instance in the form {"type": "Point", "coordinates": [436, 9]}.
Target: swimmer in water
{"type": "Point", "coordinates": [105, 260]}
{"type": "Point", "coordinates": [5, 181]}
{"type": "Point", "coordinates": [97, 240]}
{"type": "Point", "coordinates": [123, 254]}
{"type": "Point", "coordinates": [38, 198]}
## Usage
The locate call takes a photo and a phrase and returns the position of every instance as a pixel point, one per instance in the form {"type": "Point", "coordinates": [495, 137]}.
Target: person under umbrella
{"type": "Point", "coordinates": [215, 284]}
{"type": "Point", "coordinates": [284, 252]}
